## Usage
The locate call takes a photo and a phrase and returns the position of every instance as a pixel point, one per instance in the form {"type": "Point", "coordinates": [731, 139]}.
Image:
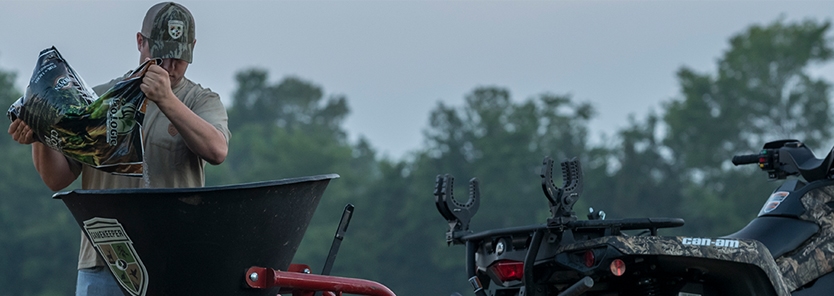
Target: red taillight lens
{"type": "Point", "coordinates": [589, 258]}
{"type": "Point", "coordinates": [617, 267]}
{"type": "Point", "coordinates": [508, 270]}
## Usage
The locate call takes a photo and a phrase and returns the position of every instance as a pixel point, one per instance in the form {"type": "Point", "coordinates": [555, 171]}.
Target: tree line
{"type": "Point", "coordinates": [671, 163]}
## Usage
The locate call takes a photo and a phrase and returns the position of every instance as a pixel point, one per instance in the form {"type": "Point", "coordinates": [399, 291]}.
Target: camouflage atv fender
{"type": "Point", "coordinates": [736, 250]}
{"type": "Point", "coordinates": [814, 258]}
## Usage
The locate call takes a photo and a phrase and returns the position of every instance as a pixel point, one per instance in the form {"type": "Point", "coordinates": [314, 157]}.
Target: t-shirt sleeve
{"type": "Point", "coordinates": [209, 107]}
{"type": "Point", "coordinates": [102, 88]}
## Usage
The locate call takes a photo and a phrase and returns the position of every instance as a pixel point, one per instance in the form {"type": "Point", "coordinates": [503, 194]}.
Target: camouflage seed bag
{"type": "Point", "coordinates": [65, 114]}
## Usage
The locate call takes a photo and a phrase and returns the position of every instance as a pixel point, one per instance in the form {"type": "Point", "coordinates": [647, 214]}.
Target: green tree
{"type": "Point", "coordinates": [500, 141]}
{"type": "Point", "coordinates": [281, 130]}
{"type": "Point", "coordinates": [638, 179]}
{"type": "Point", "coordinates": [503, 143]}
{"type": "Point", "coordinates": [288, 129]}
{"type": "Point", "coordinates": [293, 104]}
{"type": "Point", "coordinates": [762, 91]}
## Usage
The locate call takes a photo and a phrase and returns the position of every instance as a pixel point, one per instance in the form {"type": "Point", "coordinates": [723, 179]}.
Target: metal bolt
{"type": "Point", "coordinates": [307, 270]}
{"type": "Point", "coordinates": [500, 247]}
{"type": "Point", "coordinates": [253, 276]}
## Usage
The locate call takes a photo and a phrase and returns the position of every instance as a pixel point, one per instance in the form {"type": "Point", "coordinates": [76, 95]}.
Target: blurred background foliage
{"type": "Point", "coordinates": [672, 163]}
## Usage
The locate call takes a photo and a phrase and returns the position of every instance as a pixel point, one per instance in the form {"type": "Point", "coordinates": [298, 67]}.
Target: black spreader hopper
{"type": "Point", "coordinates": [197, 241]}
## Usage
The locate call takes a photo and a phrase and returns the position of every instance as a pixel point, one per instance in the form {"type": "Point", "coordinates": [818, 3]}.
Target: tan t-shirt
{"type": "Point", "coordinates": [168, 161]}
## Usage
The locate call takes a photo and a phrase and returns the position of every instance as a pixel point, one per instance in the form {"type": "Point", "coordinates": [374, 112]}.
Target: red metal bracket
{"type": "Point", "coordinates": [307, 284]}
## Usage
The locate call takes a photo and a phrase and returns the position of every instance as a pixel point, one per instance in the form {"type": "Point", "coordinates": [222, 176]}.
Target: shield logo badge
{"type": "Point", "coordinates": [175, 28]}
{"type": "Point", "coordinates": [110, 239]}
{"type": "Point", "coordinates": [773, 202]}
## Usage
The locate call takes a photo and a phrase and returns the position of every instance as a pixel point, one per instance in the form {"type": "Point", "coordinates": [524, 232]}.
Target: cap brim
{"type": "Point", "coordinates": [172, 50]}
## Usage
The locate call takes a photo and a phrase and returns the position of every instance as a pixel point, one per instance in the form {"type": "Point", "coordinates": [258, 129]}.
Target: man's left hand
{"type": "Point", "coordinates": [157, 85]}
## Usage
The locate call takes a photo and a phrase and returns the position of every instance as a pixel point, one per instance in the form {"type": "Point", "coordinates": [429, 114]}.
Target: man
{"type": "Point", "coordinates": [185, 126]}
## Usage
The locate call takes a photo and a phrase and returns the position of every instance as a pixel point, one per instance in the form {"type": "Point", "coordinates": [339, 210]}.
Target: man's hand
{"type": "Point", "coordinates": [157, 85]}
{"type": "Point", "coordinates": [21, 132]}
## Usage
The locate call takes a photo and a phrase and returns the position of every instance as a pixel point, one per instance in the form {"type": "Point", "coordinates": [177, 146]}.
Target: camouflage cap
{"type": "Point", "coordinates": [170, 29]}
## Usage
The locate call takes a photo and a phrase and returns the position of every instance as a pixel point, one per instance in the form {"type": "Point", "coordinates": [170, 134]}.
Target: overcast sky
{"type": "Point", "coordinates": [395, 60]}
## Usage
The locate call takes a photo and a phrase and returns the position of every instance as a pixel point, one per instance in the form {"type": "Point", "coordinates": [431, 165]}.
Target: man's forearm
{"type": "Point", "coordinates": [52, 166]}
{"type": "Point", "coordinates": [200, 136]}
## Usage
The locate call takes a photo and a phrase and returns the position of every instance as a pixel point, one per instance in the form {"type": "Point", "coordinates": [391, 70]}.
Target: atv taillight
{"type": "Point", "coordinates": [589, 258]}
{"type": "Point", "coordinates": [506, 270]}
{"type": "Point", "coordinates": [617, 267]}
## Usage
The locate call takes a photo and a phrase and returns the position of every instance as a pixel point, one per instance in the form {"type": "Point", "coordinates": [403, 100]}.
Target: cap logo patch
{"type": "Point", "coordinates": [175, 28]}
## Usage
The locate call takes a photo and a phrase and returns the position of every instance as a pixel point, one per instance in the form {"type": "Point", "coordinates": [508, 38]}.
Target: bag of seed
{"type": "Point", "coordinates": [65, 114]}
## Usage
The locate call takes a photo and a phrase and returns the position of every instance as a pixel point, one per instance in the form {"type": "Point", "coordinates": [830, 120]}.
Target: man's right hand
{"type": "Point", "coordinates": [21, 132]}
{"type": "Point", "coordinates": [52, 165]}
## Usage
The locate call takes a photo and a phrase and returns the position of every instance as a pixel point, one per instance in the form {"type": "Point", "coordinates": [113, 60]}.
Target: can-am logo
{"type": "Point", "coordinates": [708, 242]}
